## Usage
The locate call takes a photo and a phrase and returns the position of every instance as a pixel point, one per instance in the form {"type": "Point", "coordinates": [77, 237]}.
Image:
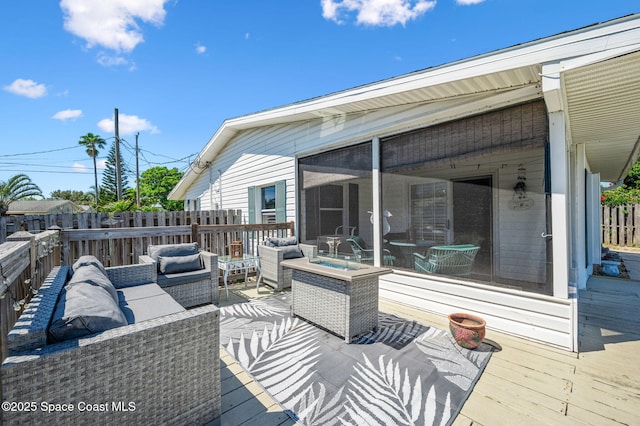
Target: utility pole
{"type": "Point", "coordinates": [137, 174]}
{"type": "Point", "coordinates": [118, 177]}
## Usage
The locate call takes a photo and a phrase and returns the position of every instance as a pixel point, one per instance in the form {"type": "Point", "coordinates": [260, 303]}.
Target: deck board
{"type": "Point", "coordinates": [525, 382]}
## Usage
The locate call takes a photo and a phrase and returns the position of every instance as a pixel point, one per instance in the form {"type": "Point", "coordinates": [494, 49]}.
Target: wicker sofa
{"type": "Point", "coordinates": [159, 368]}
{"type": "Point", "coordinates": [190, 284]}
{"type": "Point", "coordinates": [273, 251]}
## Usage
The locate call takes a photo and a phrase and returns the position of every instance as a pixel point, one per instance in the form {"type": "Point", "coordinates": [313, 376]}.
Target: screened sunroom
{"type": "Point", "coordinates": [467, 199]}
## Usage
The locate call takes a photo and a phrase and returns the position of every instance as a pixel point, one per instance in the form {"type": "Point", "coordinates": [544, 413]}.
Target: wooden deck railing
{"type": "Point", "coordinates": [123, 246]}
{"type": "Point", "coordinates": [25, 262]}
{"type": "Point", "coordinates": [26, 258]}
{"type": "Point", "coordinates": [39, 223]}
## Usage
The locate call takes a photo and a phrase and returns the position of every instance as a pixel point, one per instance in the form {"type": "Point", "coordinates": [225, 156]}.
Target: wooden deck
{"type": "Point", "coordinates": [524, 382]}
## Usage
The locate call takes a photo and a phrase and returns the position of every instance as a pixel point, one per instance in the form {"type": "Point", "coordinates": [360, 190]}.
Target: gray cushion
{"type": "Point", "coordinates": [88, 260]}
{"type": "Point", "coordinates": [288, 245]}
{"type": "Point", "coordinates": [146, 301]}
{"type": "Point", "coordinates": [84, 310]}
{"type": "Point", "coordinates": [280, 242]}
{"type": "Point", "coordinates": [172, 250]}
{"type": "Point", "coordinates": [177, 264]}
{"type": "Point", "coordinates": [291, 252]}
{"type": "Point", "coordinates": [141, 291]}
{"type": "Point", "coordinates": [169, 280]}
{"type": "Point", "coordinates": [137, 310]}
{"type": "Point", "coordinates": [91, 274]}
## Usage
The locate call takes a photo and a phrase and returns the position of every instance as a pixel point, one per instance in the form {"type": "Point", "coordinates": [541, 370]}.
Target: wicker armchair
{"type": "Point", "coordinates": [160, 371]}
{"type": "Point", "coordinates": [273, 274]}
{"type": "Point", "coordinates": [189, 288]}
{"type": "Point", "coordinates": [455, 260]}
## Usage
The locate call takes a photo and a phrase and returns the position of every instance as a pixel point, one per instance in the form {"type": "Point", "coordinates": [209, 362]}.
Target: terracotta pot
{"type": "Point", "coordinates": [467, 330]}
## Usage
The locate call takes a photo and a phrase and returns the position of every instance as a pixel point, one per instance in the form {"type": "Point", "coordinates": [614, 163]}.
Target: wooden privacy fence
{"type": "Point", "coordinates": [123, 246]}
{"type": "Point", "coordinates": [37, 223]}
{"type": "Point", "coordinates": [621, 225]}
{"type": "Point", "coordinates": [25, 262]}
{"type": "Point", "coordinates": [26, 259]}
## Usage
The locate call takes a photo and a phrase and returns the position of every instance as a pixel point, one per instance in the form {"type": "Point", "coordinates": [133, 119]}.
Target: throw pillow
{"type": "Point", "coordinates": [83, 310]}
{"type": "Point", "coordinates": [172, 250]}
{"type": "Point", "coordinates": [88, 260]}
{"type": "Point", "coordinates": [177, 264]}
{"type": "Point", "coordinates": [281, 242]}
{"type": "Point", "coordinates": [91, 274]}
{"type": "Point", "coordinates": [291, 252]}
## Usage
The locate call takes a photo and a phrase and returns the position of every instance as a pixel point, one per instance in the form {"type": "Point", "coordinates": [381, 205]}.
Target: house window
{"type": "Point", "coordinates": [268, 203]}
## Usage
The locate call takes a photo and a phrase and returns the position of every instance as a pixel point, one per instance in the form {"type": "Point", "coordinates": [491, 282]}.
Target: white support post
{"type": "Point", "coordinates": [377, 201]}
{"type": "Point", "coordinates": [559, 210]}
{"type": "Point", "coordinates": [579, 213]}
{"type": "Point", "coordinates": [559, 147]}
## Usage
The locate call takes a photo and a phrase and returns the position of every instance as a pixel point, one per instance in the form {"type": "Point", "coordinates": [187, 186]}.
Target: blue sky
{"type": "Point", "coordinates": [175, 70]}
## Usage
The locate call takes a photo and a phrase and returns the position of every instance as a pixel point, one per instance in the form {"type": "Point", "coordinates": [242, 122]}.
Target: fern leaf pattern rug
{"type": "Point", "coordinates": [404, 373]}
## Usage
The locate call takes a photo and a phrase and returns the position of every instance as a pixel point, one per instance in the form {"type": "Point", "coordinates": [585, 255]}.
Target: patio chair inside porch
{"type": "Point", "coordinates": [365, 255]}
{"type": "Point", "coordinates": [454, 260]}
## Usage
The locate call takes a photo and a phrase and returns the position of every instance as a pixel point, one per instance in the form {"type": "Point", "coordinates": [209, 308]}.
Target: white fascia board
{"type": "Point", "coordinates": [208, 153]}
{"type": "Point", "coordinates": [623, 36]}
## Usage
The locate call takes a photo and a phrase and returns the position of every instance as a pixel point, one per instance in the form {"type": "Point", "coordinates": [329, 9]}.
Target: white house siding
{"type": "Point", "coordinates": [255, 158]}
{"type": "Point", "coordinates": [262, 156]}
{"type": "Point", "coordinates": [540, 318]}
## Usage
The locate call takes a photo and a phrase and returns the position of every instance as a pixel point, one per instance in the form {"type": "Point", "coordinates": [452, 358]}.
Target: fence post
{"type": "Point", "coordinates": [65, 247]}
{"type": "Point", "coordinates": [27, 236]}
{"type": "Point", "coordinates": [195, 234]}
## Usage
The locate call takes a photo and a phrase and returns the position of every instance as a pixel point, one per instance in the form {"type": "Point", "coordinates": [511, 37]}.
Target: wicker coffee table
{"type": "Point", "coordinates": [344, 302]}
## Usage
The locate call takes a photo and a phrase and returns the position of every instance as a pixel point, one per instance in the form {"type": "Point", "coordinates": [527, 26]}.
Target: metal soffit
{"type": "Point", "coordinates": [603, 106]}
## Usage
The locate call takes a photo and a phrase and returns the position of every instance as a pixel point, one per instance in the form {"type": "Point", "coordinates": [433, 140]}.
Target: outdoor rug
{"type": "Point", "coordinates": [405, 373]}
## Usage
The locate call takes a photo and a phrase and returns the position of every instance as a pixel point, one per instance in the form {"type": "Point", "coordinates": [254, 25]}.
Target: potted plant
{"type": "Point", "coordinates": [467, 330]}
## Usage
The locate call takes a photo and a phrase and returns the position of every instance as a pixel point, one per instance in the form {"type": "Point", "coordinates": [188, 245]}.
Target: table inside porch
{"type": "Point", "coordinates": [407, 247]}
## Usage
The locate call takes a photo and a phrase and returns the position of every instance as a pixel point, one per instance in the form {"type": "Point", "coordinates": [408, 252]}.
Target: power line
{"type": "Point", "coordinates": [8, 163]}
{"type": "Point", "coordinates": [40, 152]}
{"type": "Point", "coordinates": [47, 171]}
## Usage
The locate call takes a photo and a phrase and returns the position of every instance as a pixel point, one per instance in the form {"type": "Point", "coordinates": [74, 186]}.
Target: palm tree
{"type": "Point", "coordinates": [93, 143]}
{"type": "Point", "coordinates": [18, 187]}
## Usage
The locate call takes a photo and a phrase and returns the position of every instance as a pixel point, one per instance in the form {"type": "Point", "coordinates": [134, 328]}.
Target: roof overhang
{"type": "Point", "coordinates": [603, 108]}
{"type": "Point", "coordinates": [606, 46]}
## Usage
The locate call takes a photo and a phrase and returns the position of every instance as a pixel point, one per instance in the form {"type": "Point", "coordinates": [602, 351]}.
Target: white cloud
{"type": "Point", "coordinates": [67, 114]}
{"type": "Point", "coordinates": [112, 24]}
{"type": "Point", "coordinates": [28, 88]}
{"type": "Point", "coordinates": [80, 168]}
{"type": "Point", "coordinates": [127, 125]}
{"type": "Point", "coordinates": [200, 49]}
{"type": "Point", "coordinates": [376, 12]}
{"type": "Point", "coordinates": [107, 60]}
{"type": "Point", "coordinates": [101, 164]}
{"type": "Point", "coordinates": [468, 2]}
